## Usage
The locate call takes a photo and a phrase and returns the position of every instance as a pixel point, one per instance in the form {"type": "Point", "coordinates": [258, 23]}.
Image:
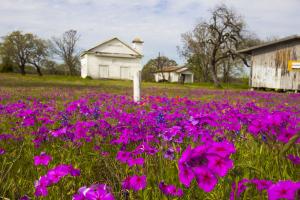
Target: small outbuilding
{"type": "Point", "coordinates": [276, 64]}
{"type": "Point", "coordinates": [175, 74]}
{"type": "Point", "coordinates": [112, 59]}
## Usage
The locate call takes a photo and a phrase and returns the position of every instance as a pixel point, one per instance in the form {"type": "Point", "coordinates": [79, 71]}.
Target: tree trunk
{"type": "Point", "coordinates": [226, 71]}
{"type": "Point", "coordinates": [70, 67]}
{"type": "Point", "coordinates": [214, 76]}
{"type": "Point", "coordinates": [38, 70]}
{"type": "Point", "coordinates": [22, 68]}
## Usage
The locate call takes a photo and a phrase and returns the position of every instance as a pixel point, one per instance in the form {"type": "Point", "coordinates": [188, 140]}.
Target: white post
{"type": "Point", "coordinates": [137, 86]}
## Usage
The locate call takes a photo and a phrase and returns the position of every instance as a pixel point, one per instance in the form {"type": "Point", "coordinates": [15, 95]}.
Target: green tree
{"type": "Point", "coordinates": [16, 46]}
{"type": "Point", "coordinates": [21, 49]}
{"type": "Point", "coordinates": [38, 53]}
{"type": "Point", "coordinates": [7, 64]}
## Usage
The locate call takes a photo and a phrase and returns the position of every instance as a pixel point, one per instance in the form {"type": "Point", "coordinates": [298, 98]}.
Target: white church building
{"type": "Point", "coordinates": [112, 59]}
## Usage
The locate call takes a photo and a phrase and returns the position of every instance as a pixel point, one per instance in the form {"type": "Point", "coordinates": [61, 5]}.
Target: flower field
{"type": "Point", "coordinates": [72, 143]}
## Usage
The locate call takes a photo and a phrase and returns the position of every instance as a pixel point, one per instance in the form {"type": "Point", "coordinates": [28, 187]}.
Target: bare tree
{"type": "Point", "coordinates": [65, 48]}
{"type": "Point", "coordinates": [217, 39]}
{"type": "Point", "coordinates": [17, 47]}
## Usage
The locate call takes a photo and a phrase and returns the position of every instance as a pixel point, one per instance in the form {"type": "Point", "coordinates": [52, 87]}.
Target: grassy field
{"type": "Point", "coordinates": [33, 85]}
{"type": "Point", "coordinates": [17, 80]}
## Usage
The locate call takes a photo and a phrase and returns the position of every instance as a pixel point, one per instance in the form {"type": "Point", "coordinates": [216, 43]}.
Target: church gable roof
{"type": "Point", "coordinates": [114, 46]}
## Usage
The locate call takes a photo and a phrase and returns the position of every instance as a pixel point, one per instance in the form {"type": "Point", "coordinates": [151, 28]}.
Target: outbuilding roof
{"type": "Point", "coordinates": [268, 44]}
{"type": "Point", "coordinates": [177, 69]}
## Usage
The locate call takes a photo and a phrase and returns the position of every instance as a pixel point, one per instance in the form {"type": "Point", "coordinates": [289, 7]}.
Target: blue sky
{"type": "Point", "coordinates": [158, 22]}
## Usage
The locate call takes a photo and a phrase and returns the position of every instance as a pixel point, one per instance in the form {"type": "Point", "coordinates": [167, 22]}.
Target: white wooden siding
{"type": "Point", "coordinates": [270, 68]}
{"type": "Point", "coordinates": [103, 71]}
{"type": "Point", "coordinates": [125, 73]}
{"type": "Point", "coordinates": [174, 77]}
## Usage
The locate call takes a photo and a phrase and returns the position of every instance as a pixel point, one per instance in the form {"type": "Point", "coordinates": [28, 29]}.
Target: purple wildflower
{"type": "Point", "coordinates": [53, 176]}
{"type": "Point", "coordinates": [2, 151]}
{"type": "Point", "coordinates": [262, 184]}
{"type": "Point", "coordinates": [170, 190]}
{"type": "Point", "coordinates": [96, 191]}
{"type": "Point", "coordinates": [283, 190]}
{"type": "Point", "coordinates": [237, 191]}
{"type": "Point", "coordinates": [25, 197]}
{"type": "Point", "coordinates": [205, 163]}
{"type": "Point", "coordinates": [295, 159]}
{"type": "Point", "coordinates": [169, 154]}
{"type": "Point", "coordinates": [42, 159]}
{"type": "Point", "coordinates": [135, 183]}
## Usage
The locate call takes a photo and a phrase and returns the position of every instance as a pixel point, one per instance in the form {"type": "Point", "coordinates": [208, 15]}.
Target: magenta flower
{"type": "Point", "coordinates": [59, 132]}
{"type": "Point", "coordinates": [126, 157]}
{"type": "Point", "coordinates": [186, 174]}
{"type": "Point", "coordinates": [2, 151]}
{"type": "Point", "coordinates": [53, 176]}
{"type": "Point", "coordinates": [205, 179]}
{"type": "Point", "coordinates": [96, 191]}
{"type": "Point", "coordinates": [138, 182]}
{"type": "Point", "coordinates": [262, 184]}
{"type": "Point", "coordinates": [169, 154]}
{"type": "Point", "coordinates": [295, 159]}
{"type": "Point", "coordinates": [126, 183]}
{"type": "Point", "coordinates": [135, 183]}
{"type": "Point", "coordinates": [41, 186]}
{"type": "Point", "coordinates": [25, 197]}
{"type": "Point", "coordinates": [223, 149]}
{"type": "Point", "coordinates": [170, 190]}
{"type": "Point", "coordinates": [135, 161]}
{"type": "Point", "coordinates": [237, 191]}
{"type": "Point", "coordinates": [219, 165]}
{"type": "Point", "coordinates": [283, 190]}
{"type": "Point", "coordinates": [42, 159]}
{"type": "Point", "coordinates": [205, 163]}
{"type": "Point", "coordinates": [123, 156]}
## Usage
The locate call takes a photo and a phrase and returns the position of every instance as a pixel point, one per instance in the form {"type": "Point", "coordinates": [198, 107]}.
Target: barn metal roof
{"type": "Point", "coordinates": [267, 44]}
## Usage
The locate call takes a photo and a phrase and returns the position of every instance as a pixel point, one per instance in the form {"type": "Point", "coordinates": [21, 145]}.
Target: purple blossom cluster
{"type": "Point", "coordinates": [276, 191]}
{"type": "Point", "coordinates": [199, 139]}
{"type": "Point", "coordinates": [134, 182]}
{"type": "Point", "coordinates": [170, 190]}
{"type": "Point", "coordinates": [206, 163]}
{"type": "Point", "coordinates": [42, 159]}
{"type": "Point", "coordinates": [94, 192]}
{"type": "Point", "coordinates": [126, 157]}
{"type": "Point", "coordinates": [52, 177]}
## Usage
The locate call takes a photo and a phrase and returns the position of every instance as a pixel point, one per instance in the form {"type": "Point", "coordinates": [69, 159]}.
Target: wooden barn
{"type": "Point", "coordinates": [276, 64]}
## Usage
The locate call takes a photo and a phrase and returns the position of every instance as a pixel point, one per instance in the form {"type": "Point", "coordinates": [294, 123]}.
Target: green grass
{"type": "Point", "coordinates": [30, 80]}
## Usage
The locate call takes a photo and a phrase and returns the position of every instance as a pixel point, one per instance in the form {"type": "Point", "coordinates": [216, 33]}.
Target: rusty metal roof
{"type": "Point", "coordinates": [267, 44]}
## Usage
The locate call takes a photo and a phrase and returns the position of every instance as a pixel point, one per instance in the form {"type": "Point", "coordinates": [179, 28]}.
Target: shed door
{"type": "Point", "coordinates": [103, 71]}
{"type": "Point", "coordinates": [124, 73]}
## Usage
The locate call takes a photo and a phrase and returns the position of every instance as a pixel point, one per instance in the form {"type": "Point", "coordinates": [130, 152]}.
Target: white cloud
{"type": "Point", "coordinates": [159, 22]}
